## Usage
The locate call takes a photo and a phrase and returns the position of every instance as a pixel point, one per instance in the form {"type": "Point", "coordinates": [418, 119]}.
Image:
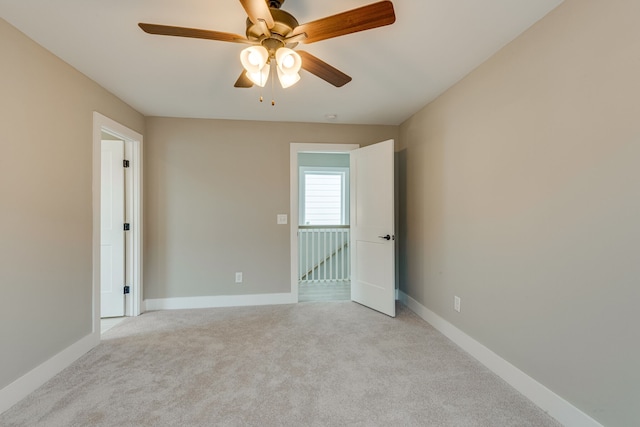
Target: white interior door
{"type": "Point", "coordinates": [112, 238]}
{"type": "Point", "coordinates": [372, 227]}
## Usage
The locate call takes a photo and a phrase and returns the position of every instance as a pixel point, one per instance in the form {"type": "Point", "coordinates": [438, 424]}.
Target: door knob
{"type": "Point", "coordinates": [387, 237]}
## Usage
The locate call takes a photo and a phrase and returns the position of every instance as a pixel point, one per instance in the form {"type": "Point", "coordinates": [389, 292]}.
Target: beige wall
{"type": "Point", "coordinates": [46, 110]}
{"type": "Point", "coordinates": [212, 191]}
{"type": "Point", "coordinates": [522, 196]}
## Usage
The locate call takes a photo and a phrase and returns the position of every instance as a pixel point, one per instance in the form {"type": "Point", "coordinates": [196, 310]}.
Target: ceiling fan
{"type": "Point", "coordinates": [273, 33]}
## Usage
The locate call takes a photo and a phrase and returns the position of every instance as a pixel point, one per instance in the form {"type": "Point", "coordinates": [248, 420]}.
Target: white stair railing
{"type": "Point", "coordinates": [323, 253]}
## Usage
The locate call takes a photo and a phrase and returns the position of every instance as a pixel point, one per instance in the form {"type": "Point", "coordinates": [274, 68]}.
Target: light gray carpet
{"type": "Point", "coordinates": [324, 291]}
{"type": "Point", "coordinates": [314, 364]}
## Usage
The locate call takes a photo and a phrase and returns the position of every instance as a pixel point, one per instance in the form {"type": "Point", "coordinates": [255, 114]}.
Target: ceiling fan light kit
{"type": "Point", "coordinates": [256, 61]}
{"type": "Point", "coordinates": [273, 33]}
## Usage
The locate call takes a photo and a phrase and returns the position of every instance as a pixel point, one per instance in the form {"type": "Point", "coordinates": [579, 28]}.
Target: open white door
{"type": "Point", "coordinates": [112, 257]}
{"type": "Point", "coordinates": [372, 227]}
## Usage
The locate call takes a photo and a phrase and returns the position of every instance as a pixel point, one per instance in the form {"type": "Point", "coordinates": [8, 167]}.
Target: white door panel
{"type": "Point", "coordinates": [112, 268]}
{"type": "Point", "coordinates": [372, 219]}
{"type": "Point", "coordinates": [106, 269]}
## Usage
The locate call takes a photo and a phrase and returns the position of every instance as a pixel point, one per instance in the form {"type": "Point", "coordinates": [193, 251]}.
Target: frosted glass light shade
{"type": "Point", "coordinates": [289, 62]}
{"type": "Point", "coordinates": [259, 77]}
{"type": "Point", "coordinates": [254, 58]}
{"type": "Point", "coordinates": [287, 80]}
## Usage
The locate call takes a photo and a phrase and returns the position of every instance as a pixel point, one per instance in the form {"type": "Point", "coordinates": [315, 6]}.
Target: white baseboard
{"type": "Point", "coordinates": [547, 400]}
{"type": "Point", "coordinates": [29, 382]}
{"type": "Point", "coordinates": [218, 301]}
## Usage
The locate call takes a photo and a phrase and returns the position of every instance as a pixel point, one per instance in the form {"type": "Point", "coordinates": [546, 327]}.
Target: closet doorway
{"type": "Point", "coordinates": [126, 291]}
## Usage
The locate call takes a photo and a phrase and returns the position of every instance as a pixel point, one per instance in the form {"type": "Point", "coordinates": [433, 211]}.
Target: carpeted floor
{"type": "Point", "coordinates": [315, 364]}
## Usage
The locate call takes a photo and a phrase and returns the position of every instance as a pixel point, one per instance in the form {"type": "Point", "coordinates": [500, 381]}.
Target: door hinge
{"type": "Point", "coordinates": [127, 289]}
{"type": "Point", "coordinates": [125, 163]}
{"type": "Point", "coordinates": [127, 226]}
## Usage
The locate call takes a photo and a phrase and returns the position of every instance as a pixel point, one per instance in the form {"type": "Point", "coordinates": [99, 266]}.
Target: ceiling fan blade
{"type": "Point", "coordinates": [167, 30]}
{"type": "Point", "coordinates": [258, 10]}
{"type": "Point", "coordinates": [243, 81]}
{"type": "Point", "coordinates": [363, 18]}
{"type": "Point", "coordinates": [323, 70]}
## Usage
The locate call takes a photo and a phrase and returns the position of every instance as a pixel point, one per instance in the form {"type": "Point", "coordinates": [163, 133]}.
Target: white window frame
{"type": "Point", "coordinates": [343, 172]}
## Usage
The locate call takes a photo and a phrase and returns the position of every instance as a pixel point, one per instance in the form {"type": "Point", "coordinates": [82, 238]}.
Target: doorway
{"type": "Point", "coordinates": [317, 283]}
{"type": "Point", "coordinates": [372, 224]}
{"type": "Point", "coordinates": [323, 230]}
{"type": "Point", "coordinates": [107, 129]}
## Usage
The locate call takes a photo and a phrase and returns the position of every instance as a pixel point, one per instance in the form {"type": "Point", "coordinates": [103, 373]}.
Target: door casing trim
{"type": "Point", "coordinates": [133, 301]}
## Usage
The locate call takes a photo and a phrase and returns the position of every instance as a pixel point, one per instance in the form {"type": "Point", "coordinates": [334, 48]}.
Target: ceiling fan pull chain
{"type": "Point", "coordinates": [273, 101]}
{"type": "Point", "coordinates": [261, 87]}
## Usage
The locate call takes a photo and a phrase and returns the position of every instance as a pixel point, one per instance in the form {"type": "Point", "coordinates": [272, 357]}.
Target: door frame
{"type": "Point", "coordinates": [133, 202]}
{"type": "Point", "coordinates": [295, 149]}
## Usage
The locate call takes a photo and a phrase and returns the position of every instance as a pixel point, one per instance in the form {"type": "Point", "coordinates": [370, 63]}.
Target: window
{"type": "Point", "coordinates": [324, 196]}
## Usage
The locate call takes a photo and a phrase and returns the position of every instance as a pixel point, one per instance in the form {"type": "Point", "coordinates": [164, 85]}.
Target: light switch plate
{"type": "Point", "coordinates": [282, 218]}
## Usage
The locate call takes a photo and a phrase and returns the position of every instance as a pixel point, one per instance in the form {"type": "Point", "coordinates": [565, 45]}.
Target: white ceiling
{"type": "Point", "coordinates": [396, 69]}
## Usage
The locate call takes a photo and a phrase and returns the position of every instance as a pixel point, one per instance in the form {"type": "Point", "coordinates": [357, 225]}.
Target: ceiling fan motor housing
{"type": "Point", "coordinates": [285, 23]}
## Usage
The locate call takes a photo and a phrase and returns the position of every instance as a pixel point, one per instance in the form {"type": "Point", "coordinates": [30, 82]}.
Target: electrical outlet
{"type": "Point", "coordinates": [456, 303]}
{"type": "Point", "coordinates": [239, 277]}
{"type": "Point", "coordinates": [281, 219]}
